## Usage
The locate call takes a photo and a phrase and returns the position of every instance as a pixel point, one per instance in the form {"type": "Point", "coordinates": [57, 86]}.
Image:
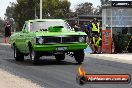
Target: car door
{"type": "Point", "coordinates": [21, 39]}
{"type": "Point", "coordinates": [24, 37]}
{"type": "Point", "coordinates": [18, 38]}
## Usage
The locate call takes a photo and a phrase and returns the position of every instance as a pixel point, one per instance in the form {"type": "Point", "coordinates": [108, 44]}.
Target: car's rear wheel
{"type": "Point", "coordinates": [60, 57]}
{"type": "Point", "coordinates": [18, 55]}
{"type": "Point", "coordinates": [79, 56]}
{"type": "Point", "coordinates": [34, 56]}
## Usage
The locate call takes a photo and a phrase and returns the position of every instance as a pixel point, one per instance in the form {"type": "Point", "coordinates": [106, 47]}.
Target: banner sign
{"type": "Point", "coordinates": [106, 41]}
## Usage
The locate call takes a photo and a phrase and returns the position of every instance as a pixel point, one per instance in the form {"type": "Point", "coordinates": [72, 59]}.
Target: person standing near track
{"type": "Point", "coordinates": [95, 27]}
{"type": "Point", "coordinates": [76, 27]}
{"type": "Point", "coordinates": [96, 44]}
{"type": "Point", "coordinates": [7, 31]}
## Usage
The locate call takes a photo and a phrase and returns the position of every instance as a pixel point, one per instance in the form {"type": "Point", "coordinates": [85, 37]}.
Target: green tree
{"type": "Point", "coordinates": [88, 9]}
{"type": "Point", "coordinates": [56, 8]}
{"type": "Point", "coordinates": [1, 25]}
{"type": "Point", "coordinates": [98, 10]}
{"type": "Point", "coordinates": [9, 11]}
{"type": "Point", "coordinates": [25, 9]}
{"type": "Point", "coordinates": [84, 8]}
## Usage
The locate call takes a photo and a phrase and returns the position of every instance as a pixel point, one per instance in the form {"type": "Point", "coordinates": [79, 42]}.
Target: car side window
{"type": "Point", "coordinates": [26, 27]}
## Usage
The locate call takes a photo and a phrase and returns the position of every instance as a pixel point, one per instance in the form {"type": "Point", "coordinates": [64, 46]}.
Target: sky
{"type": "Point", "coordinates": [3, 6]}
{"type": "Point", "coordinates": [5, 3]}
{"type": "Point", "coordinates": [74, 3]}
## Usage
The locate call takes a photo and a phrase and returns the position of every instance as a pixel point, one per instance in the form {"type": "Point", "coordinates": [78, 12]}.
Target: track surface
{"type": "Point", "coordinates": [50, 74]}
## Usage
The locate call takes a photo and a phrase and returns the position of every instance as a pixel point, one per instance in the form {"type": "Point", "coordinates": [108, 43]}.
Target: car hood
{"type": "Point", "coordinates": [46, 33]}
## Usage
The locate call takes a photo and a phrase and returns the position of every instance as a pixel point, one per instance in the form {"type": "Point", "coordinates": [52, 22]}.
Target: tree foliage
{"type": "Point", "coordinates": [1, 25]}
{"type": "Point", "coordinates": [9, 11]}
{"type": "Point", "coordinates": [84, 8]}
{"type": "Point", "coordinates": [56, 8]}
{"type": "Point", "coordinates": [88, 9]}
{"type": "Point", "coordinates": [25, 9]}
{"type": "Point", "coordinates": [98, 10]}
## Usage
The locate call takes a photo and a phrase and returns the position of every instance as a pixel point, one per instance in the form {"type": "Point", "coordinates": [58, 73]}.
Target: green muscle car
{"type": "Point", "coordinates": [48, 37]}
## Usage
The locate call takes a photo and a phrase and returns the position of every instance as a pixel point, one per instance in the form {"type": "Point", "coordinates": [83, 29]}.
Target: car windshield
{"type": "Point", "coordinates": [35, 26]}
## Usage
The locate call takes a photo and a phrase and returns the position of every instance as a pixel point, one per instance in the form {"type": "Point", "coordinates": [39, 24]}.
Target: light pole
{"type": "Point", "coordinates": [40, 9]}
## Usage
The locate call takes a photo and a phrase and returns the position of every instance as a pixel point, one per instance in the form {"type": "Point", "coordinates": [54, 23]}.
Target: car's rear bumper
{"type": "Point", "coordinates": [53, 47]}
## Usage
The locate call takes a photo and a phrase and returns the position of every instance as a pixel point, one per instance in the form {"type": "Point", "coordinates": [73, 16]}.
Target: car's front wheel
{"type": "Point", "coordinates": [79, 56]}
{"type": "Point", "coordinates": [18, 55]}
{"type": "Point", "coordinates": [60, 57]}
{"type": "Point", "coordinates": [34, 56]}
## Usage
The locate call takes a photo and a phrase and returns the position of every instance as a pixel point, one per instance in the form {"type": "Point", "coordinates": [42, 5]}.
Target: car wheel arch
{"type": "Point", "coordinates": [13, 45]}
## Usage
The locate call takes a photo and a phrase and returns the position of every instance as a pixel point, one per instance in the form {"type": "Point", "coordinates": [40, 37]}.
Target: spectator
{"type": "Point", "coordinates": [86, 29]}
{"type": "Point", "coordinates": [7, 32]}
{"type": "Point", "coordinates": [76, 27]}
{"type": "Point", "coordinates": [95, 29]}
{"type": "Point", "coordinates": [96, 44]}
